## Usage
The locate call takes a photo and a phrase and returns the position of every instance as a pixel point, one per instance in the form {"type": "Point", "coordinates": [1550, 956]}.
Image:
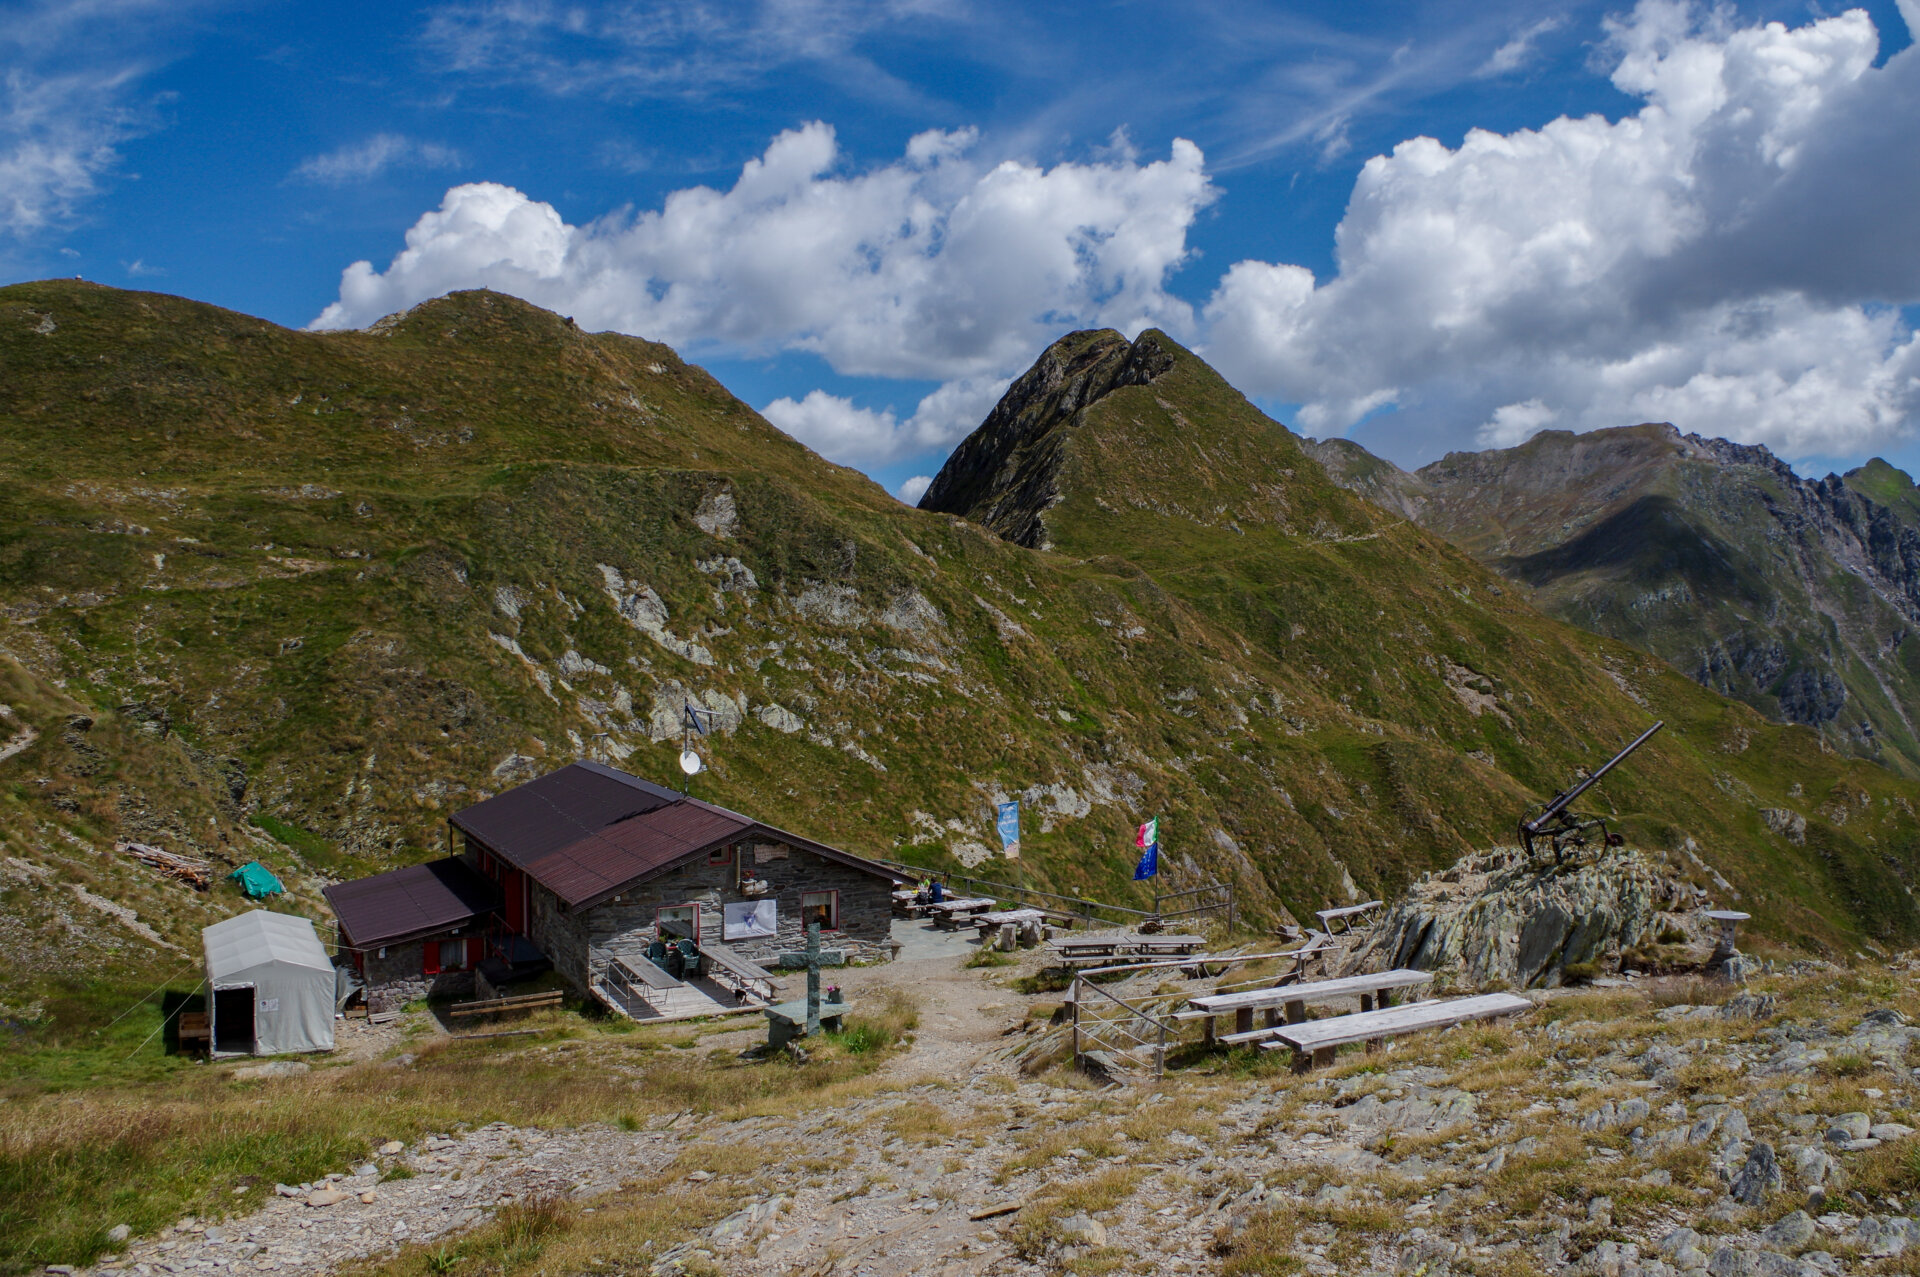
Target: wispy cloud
{"type": "Point", "coordinates": [1519, 50]}
{"type": "Point", "coordinates": [364, 161]}
{"type": "Point", "coordinates": [671, 48]}
{"type": "Point", "coordinates": [65, 108]}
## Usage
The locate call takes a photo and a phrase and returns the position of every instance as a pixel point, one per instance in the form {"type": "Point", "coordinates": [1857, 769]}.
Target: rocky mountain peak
{"type": "Point", "coordinates": [1006, 474]}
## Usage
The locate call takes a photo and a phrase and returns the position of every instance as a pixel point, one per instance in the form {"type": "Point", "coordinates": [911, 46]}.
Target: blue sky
{"type": "Point", "coordinates": [1624, 212]}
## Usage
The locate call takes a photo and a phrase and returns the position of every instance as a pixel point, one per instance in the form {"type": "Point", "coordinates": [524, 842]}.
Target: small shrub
{"type": "Point", "coordinates": [987, 956]}
{"type": "Point", "coordinates": [1046, 980]}
{"type": "Point", "coordinates": [1579, 972]}
{"type": "Point", "coordinates": [1671, 934]}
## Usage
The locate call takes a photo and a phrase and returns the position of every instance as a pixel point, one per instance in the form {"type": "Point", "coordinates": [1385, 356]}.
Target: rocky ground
{"type": "Point", "coordinates": [1658, 1126]}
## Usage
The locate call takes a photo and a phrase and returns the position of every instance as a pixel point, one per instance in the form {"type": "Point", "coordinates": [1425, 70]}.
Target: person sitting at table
{"type": "Point", "coordinates": [676, 963]}
{"type": "Point", "coordinates": [935, 893]}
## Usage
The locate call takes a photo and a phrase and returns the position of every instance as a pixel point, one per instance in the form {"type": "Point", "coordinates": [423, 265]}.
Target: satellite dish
{"type": "Point", "coordinates": [689, 762]}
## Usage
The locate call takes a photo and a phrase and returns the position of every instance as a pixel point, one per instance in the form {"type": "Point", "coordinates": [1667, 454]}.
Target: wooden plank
{"type": "Point", "coordinates": [523, 1002]}
{"type": "Point", "coordinates": [1319, 1035]}
{"type": "Point", "coordinates": [1346, 911]}
{"type": "Point", "coordinates": [1317, 991]}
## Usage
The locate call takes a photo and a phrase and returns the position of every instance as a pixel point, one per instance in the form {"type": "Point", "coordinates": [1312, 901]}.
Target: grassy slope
{"type": "Point", "coordinates": [1375, 623]}
{"type": "Point", "coordinates": [309, 552]}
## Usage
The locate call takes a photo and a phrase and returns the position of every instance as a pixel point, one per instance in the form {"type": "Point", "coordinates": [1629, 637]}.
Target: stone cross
{"type": "Point", "coordinates": [813, 977]}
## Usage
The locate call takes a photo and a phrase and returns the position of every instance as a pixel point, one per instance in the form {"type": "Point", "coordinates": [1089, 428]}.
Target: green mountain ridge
{"type": "Point", "coordinates": [1795, 596]}
{"type": "Point", "coordinates": [312, 592]}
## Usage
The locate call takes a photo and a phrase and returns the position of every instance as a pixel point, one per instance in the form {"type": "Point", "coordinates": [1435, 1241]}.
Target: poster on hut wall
{"type": "Point", "coordinates": [749, 919]}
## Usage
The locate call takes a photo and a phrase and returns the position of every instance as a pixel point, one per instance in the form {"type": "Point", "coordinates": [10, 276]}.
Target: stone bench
{"type": "Point", "coordinates": [1314, 1042]}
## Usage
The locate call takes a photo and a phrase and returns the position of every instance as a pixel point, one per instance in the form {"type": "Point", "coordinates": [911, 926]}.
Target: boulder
{"type": "Point", "coordinates": [1790, 1233]}
{"type": "Point", "coordinates": [1083, 1230]}
{"type": "Point", "coordinates": [272, 1068]}
{"type": "Point", "coordinates": [1758, 1176]}
{"type": "Point", "coordinates": [1504, 918]}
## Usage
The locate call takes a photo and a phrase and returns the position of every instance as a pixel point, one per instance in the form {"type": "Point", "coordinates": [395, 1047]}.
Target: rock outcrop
{"type": "Point", "coordinates": [1499, 917]}
{"type": "Point", "coordinates": [1007, 473]}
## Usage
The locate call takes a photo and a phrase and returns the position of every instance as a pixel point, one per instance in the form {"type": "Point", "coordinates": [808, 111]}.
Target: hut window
{"type": "Point", "coordinates": [678, 922]}
{"type": "Point", "coordinates": [822, 907]}
{"type": "Point", "coordinates": [453, 955]}
{"type": "Point", "coordinates": [720, 856]}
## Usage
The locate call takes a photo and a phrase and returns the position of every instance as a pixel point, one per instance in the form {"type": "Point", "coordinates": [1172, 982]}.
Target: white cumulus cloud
{"type": "Point", "coordinates": [1727, 257]}
{"type": "Point", "coordinates": [364, 161]}
{"type": "Point", "coordinates": [932, 266]}
{"type": "Point", "coordinates": [911, 490]}
{"type": "Point", "coordinates": [839, 430]}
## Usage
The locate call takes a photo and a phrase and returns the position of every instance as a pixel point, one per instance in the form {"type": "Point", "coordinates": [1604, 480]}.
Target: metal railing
{"type": "Point", "coordinates": [1118, 1028]}
{"type": "Point", "coordinates": [1218, 900]}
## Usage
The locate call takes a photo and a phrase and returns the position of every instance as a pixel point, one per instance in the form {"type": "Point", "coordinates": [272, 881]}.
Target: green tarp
{"type": "Point", "coordinates": [256, 880]}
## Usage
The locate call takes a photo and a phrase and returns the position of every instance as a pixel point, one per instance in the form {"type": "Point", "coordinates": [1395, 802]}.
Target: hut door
{"type": "Point", "coordinates": [514, 888]}
{"type": "Point", "coordinates": [233, 1020]}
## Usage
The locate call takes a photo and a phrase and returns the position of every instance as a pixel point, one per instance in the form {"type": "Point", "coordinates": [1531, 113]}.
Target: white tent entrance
{"type": "Point", "coordinates": [272, 984]}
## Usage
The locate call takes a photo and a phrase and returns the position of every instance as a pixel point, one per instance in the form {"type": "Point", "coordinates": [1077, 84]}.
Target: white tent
{"type": "Point", "coordinates": [272, 985]}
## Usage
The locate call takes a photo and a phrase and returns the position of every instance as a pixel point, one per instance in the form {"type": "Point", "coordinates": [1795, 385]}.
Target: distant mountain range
{"type": "Point", "coordinates": [301, 595]}
{"type": "Point", "coordinates": [1799, 597]}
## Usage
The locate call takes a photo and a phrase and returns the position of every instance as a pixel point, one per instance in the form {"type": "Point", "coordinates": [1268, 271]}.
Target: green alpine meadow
{"type": "Point", "coordinates": [298, 597]}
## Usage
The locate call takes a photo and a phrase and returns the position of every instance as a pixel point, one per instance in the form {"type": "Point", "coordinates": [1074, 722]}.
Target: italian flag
{"type": "Point", "coordinates": [1149, 834]}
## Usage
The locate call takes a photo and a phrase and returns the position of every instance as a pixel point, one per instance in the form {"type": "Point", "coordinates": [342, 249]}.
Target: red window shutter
{"type": "Point", "coordinates": [476, 950]}
{"type": "Point", "coordinates": [430, 958]}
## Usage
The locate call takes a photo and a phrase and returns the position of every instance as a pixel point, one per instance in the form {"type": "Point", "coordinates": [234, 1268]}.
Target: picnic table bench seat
{"type": "Point", "coordinates": [1345, 914]}
{"type": "Point", "coordinates": [1179, 944]}
{"type": "Point", "coordinates": [1315, 1041]}
{"type": "Point", "coordinates": [1374, 991]}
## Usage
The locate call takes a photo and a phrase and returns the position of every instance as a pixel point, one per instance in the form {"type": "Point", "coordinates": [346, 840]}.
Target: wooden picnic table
{"type": "Point", "coordinates": [1314, 1042]}
{"type": "Point", "coordinates": [1374, 991]}
{"type": "Point", "coordinates": [1177, 944]}
{"type": "Point", "coordinates": [1088, 946]}
{"type": "Point", "coordinates": [946, 914]}
{"type": "Point", "coordinates": [1343, 915]}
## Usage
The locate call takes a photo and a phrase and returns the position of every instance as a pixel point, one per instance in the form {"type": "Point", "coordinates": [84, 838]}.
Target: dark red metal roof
{"type": "Point", "coordinates": [589, 869]}
{"type": "Point", "coordinates": [416, 901]}
{"type": "Point", "coordinates": [587, 831]}
{"type": "Point", "coordinates": [540, 817]}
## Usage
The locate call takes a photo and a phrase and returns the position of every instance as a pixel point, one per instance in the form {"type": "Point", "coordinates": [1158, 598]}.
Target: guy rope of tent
{"type": "Point", "coordinates": [187, 965]}
{"type": "Point", "coordinates": [163, 1020]}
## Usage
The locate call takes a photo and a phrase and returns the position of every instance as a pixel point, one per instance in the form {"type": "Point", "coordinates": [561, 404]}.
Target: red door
{"type": "Point", "coordinates": [514, 887]}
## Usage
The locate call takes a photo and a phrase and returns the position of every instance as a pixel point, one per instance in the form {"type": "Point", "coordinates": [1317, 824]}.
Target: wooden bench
{"type": "Point", "coordinates": [1314, 1042]}
{"type": "Point", "coordinates": [194, 1033]}
{"type": "Point", "coordinates": [497, 1006]}
{"type": "Point", "coordinates": [1374, 991]}
{"type": "Point", "coordinates": [1345, 916]}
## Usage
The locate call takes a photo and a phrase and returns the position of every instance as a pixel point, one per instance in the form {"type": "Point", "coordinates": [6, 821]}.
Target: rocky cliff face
{"type": "Point", "coordinates": [1797, 596]}
{"type": "Point", "coordinates": [1006, 474]}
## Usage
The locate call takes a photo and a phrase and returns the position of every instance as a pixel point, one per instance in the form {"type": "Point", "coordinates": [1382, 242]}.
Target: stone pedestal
{"type": "Point", "coordinates": [1727, 960]}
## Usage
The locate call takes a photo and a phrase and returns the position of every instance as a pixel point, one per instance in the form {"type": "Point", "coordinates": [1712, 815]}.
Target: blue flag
{"type": "Point", "coordinates": [1010, 829]}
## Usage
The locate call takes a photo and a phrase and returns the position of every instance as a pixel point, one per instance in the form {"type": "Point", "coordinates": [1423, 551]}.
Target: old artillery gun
{"type": "Point", "coordinates": [1562, 826]}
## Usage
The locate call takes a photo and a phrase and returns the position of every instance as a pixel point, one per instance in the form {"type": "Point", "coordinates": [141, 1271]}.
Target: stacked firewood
{"type": "Point", "coordinates": [197, 872]}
